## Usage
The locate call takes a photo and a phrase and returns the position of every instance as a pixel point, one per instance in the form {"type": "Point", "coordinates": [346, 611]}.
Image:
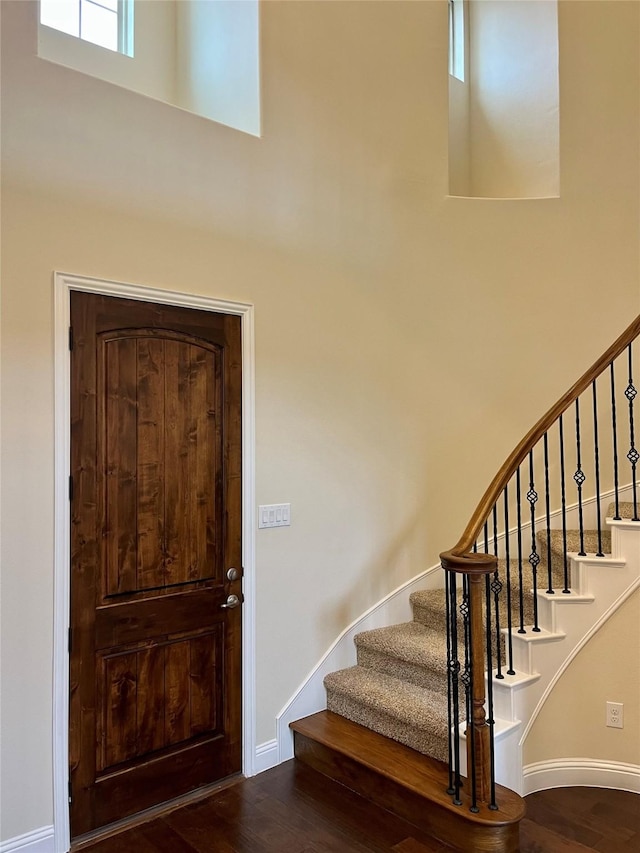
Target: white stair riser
{"type": "Point", "coordinates": [507, 702]}
{"type": "Point", "coordinates": [507, 755]}
{"type": "Point", "coordinates": [552, 607]}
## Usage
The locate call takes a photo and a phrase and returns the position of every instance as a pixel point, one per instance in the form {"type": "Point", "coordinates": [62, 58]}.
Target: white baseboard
{"type": "Point", "coordinates": [266, 756]}
{"type": "Point", "coordinates": [37, 841]}
{"type": "Point", "coordinates": [582, 772]}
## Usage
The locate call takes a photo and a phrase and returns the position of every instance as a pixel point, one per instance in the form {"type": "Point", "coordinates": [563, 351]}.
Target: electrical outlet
{"type": "Point", "coordinates": [615, 715]}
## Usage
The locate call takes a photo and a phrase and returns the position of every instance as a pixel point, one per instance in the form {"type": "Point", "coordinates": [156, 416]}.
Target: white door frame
{"type": "Point", "coordinates": [63, 284]}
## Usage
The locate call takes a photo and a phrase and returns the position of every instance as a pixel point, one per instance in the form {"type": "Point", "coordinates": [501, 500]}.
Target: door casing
{"type": "Point", "coordinates": [63, 284]}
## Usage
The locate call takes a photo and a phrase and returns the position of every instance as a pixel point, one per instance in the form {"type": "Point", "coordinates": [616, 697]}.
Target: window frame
{"type": "Point", "coordinates": [124, 12]}
{"type": "Point", "coordinates": [457, 39]}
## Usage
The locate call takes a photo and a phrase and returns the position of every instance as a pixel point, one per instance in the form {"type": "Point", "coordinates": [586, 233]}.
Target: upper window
{"type": "Point", "coordinates": [457, 39]}
{"type": "Point", "coordinates": [107, 23]}
{"type": "Point", "coordinates": [199, 55]}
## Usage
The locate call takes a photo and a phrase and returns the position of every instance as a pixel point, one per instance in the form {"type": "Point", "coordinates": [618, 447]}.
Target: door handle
{"type": "Point", "coordinates": [231, 602]}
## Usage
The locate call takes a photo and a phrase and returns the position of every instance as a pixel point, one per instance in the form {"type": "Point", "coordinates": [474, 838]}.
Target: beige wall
{"type": "Point", "coordinates": [394, 364]}
{"type": "Point", "coordinates": [571, 723]}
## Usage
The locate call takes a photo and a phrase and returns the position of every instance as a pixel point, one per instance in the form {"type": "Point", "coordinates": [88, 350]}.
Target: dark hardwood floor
{"type": "Point", "coordinates": [293, 809]}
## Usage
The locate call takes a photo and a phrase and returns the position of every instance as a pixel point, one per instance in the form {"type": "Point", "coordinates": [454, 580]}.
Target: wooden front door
{"type": "Point", "coordinates": [155, 656]}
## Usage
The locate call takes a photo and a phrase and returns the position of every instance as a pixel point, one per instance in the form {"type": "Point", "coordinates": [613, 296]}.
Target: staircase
{"type": "Point", "coordinates": [402, 725]}
{"type": "Point", "coordinates": [398, 689]}
{"type": "Point", "coordinates": [399, 686]}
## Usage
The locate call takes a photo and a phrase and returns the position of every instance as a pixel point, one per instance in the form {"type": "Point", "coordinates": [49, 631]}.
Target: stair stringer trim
{"type": "Point", "coordinates": [311, 696]}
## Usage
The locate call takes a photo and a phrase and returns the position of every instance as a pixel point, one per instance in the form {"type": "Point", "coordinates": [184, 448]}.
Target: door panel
{"type": "Point", "coordinates": [155, 662]}
{"type": "Point", "coordinates": [160, 451]}
{"type": "Point", "coordinates": [158, 696]}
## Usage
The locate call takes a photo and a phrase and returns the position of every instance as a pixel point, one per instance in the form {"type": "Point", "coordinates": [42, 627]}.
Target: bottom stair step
{"type": "Point", "coordinates": [411, 785]}
{"type": "Point", "coordinates": [413, 715]}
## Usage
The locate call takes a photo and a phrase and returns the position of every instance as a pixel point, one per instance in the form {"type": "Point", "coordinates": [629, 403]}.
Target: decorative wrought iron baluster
{"type": "Point", "coordinates": [467, 680]}
{"type": "Point", "coordinates": [633, 454]}
{"type": "Point", "coordinates": [511, 670]}
{"type": "Point", "coordinates": [491, 721]}
{"type": "Point", "coordinates": [550, 589]}
{"type": "Point", "coordinates": [453, 667]}
{"type": "Point", "coordinates": [534, 557]}
{"type": "Point", "coordinates": [521, 629]}
{"type": "Point", "coordinates": [496, 588]}
{"type": "Point", "coordinates": [563, 489]}
{"type": "Point", "coordinates": [596, 452]}
{"type": "Point", "coordinates": [579, 478]}
{"type": "Point", "coordinates": [451, 788]}
{"type": "Point", "coordinates": [616, 484]}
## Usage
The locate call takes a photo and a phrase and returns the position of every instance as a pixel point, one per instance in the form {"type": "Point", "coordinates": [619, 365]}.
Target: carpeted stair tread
{"type": "Point", "coordinates": [410, 651]}
{"type": "Point", "coordinates": [429, 605]}
{"type": "Point", "coordinates": [412, 715]}
{"type": "Point", "coordinates": [625, 509]}
{"type": "Point", "coordinates": [590, 539]}
{"type": "Point", "coordinates": [409, 641]}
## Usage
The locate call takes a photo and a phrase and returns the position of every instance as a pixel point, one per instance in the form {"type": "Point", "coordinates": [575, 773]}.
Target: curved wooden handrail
{"type": "Point", "coordinates": [519, 453]}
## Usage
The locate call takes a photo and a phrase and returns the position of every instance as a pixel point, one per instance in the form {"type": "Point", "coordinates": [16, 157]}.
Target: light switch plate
{"type": "Point", "coordinates": [274, 515]}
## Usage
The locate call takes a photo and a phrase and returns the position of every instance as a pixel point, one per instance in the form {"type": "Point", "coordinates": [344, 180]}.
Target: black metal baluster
{"type": "Point", "coordinates": [496, 588]}
{"type": "Point", "coordinates": [633, 454]}
{"type": "Point", "coordinates": [454, 678]}
{"type": "Point", "coordinates": [596, 451]}
{"type": "Point", "coordinates": [521, 629]}
{"type": "Point", "coordinates": [563, 487]}
{"type": "Point", "coordinates": [616, 484]}
{"type": "Point", "coordinates": [451, 789]}
{"type": "Point", "coordinates": [534, 557]}
{"type": "Point", "coordinates": [491, 721]}
{"type": "Point", "coordinates": [511, 670]}
{"type": "Point", "coordinates": [579, 478]}
{"type": "Point", "coordinates": [467, 680]}
{"type": "Point", "coordinates": [550, 589]}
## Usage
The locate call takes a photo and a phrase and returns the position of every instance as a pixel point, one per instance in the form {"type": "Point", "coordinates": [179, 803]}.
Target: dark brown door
{"type": "Point", "coordinates": [155, 682]}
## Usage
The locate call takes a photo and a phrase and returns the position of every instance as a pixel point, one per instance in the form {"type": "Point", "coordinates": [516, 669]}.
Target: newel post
{"type": "Point", "coordinates": [476, 567]}
{"type": "Point", "coordinates": [478, 734]}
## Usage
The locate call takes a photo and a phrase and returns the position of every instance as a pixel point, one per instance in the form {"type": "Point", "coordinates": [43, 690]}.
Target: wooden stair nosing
{"type": "Point", "coordinates": [404, 781]}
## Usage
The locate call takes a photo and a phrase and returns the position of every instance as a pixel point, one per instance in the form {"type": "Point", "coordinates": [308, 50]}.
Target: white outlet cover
{"type": "Point", "coordinates": [615, 715]}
